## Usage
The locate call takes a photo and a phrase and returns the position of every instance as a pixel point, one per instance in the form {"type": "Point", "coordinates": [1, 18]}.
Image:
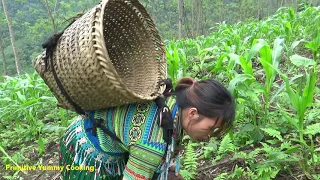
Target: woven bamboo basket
{"type": "Point", "coordinates": [112, 55]}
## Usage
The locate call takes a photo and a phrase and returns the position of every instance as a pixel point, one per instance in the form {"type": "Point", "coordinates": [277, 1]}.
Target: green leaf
{"type": "Point", "coordinates": [315, 43]}
{"type": "Point", "coordinates": [246, 65]}
{"type": "Point", "coordinates": [288, 29]}
{"type": "Point", "coordinates": [294, 122]}
{"type": "Point", "coordinates": [31, 102]}
{"type": "Point", "coordinates": [21, 97]}
{"type": "Point", "coordinates": [292, 149]}
{"type": "Point", "coordinates": [295, 44]}
{"type": "Point", "coordinates": [276, 55]}
{"type": "Point", "coordinates": [302, 61]}
{"type": "Point", "coordinates": [234, 57]}
{"type": "Point", "coordinates": [266, 57]}
{"type": "Point", "coordinates": [6, 99]}
{"type": "Point", "coordinates": [257, 134]}
{"type": "Point", "coordinates": [312, 129]}
{"type": "Point", "coordinates": [240, 78]}
{"type": "Point", "coordinates": [41, 145]}
{"type": "Point", "coordinates": [248, 127]}
{"type": "Point", "coordinates": [283, 86]}
{"type": "Point", "coordinates": [253, 51]}
{"type": "Point", "coordinates": [9, 157]}
{"type": "Point", "coordinates": [294, 98]}
{"type": "Point", "coordinates": [273, 133]}
{"type": "Point", "coordinates": [219, 63]}
{"type": "Point", "coordinates": [53, 128]}
{"type": "Point", "coordinates": [308, 91]}
{"type": "Point", "coordinates": [291, 13]}
{"type": "Point", "coordinates": [226, 145]}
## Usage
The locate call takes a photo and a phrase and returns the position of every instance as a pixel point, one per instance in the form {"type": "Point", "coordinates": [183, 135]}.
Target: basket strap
{"type": "Point", "coordinates": [50, 46]}
{"type": "Point", "coordinates": [97, 123]}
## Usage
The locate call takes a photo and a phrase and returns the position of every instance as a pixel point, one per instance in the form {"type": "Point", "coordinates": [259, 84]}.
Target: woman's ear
{"type": "Point", "coordinates": [193, 114]}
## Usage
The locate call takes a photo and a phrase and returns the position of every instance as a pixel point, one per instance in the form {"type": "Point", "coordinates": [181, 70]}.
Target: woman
{"type": "Point", "coordinates": [140, 143]}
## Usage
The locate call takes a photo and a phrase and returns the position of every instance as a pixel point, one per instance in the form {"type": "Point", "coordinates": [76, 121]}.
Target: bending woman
{"type": "Point", "coordinates": [136, 147]}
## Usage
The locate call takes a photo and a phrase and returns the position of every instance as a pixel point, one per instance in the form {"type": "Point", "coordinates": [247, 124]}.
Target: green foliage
{"type": "Point", "coordinates": [226, 145]}
{"type": "Point", "coordinates": [312, 129]}
{"type": "Point", "coordinates": [190, 163]}
{"type": "Point", "coordinates": [26, 105]}
{"type": "Point", "coordinates": [274, 109]}
{"type": "Point", "coordinates": [273, 133]}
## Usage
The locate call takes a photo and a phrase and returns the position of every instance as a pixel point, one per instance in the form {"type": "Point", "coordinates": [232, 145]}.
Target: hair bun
{"type": "Point", "coordinates": [185, 83]}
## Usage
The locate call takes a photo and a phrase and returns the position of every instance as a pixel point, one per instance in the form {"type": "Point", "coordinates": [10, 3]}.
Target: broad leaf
{"type": "Point", "coordinates": [248, 127]}
{"type": "Point", "coordinates": [257, 134]}
{"type": "Point", "coordinates": [302, 61]}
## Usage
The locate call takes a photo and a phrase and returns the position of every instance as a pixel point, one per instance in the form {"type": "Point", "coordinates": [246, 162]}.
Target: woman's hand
{"type": "Point", "coordinates": [172, 168]}
{"type": "Point", "coordinates": [173, 176]}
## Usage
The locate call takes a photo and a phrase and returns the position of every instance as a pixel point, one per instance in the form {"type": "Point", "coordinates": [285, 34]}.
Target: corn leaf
{"type": "Point", "coordinates": [276, 55]}
{"type": "Point", "coordinates": [266, 56]}
{"type": "Point", "coordinates": [256, 48]}
{"type": "Point", "coordinates": [239, 79]}
{"type": "Point", "coordinates": [307, 96]}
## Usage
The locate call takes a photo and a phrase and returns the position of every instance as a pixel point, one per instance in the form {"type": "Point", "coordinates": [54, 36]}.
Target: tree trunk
{"type": "Point", "coordinates": [240, 9]}
{"type": "Point", "coordinates": [197, 17]}
{"type": "Point", "coordinates": [13, 42]}
{"type": "Point", "coordinates": [180, 8]}
{"type": "Point", "coordinates": [4, 63]}
{"type": "Point", "coordinates": [51, 14]}
{"type": "Point", "coordinates": [259, 10]}
{"type": "Point", "coordinates": [193, 14]}
{"type": "Point", "coordinates": [200, 18]}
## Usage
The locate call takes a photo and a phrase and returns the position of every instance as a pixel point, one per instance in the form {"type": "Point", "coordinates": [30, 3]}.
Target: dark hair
{"type": "Point", "coordinates": [210, 98]}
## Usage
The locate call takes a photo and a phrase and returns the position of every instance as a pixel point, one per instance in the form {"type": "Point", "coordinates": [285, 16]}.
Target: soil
{"type": "Point", "coordinates": [49, 158]}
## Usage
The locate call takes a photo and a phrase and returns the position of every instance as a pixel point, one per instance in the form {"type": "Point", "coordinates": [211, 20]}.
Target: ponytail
{"type": "Point", "coordinates": [165, 118]}
{"type": "Point", "coordinates": [184, 84]}
{"type": "Point", "coordinates": [166, 121]}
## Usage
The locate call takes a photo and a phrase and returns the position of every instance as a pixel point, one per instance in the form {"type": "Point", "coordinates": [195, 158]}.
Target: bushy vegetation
{"type": "Point", "coordinates": [270, 66]}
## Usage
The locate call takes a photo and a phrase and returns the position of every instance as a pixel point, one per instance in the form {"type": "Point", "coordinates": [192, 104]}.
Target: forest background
{"type": "Point", "coordinates": [31, 22]}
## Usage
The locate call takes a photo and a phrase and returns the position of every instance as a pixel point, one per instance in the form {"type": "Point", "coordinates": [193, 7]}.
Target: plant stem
{"type": "Point", "coordinates": [4, 152]}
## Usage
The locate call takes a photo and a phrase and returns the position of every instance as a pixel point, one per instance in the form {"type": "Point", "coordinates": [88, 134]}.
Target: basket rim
{"type": "Point", "coordinates": [99, 45]}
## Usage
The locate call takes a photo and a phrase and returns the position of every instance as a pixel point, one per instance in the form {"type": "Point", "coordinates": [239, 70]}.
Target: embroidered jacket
{"type": "Point", "coordinates": [136, 125]}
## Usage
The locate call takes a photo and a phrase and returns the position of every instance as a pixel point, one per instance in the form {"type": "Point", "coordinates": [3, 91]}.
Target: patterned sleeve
{"type": "Point", "coordinates": [143, 161]}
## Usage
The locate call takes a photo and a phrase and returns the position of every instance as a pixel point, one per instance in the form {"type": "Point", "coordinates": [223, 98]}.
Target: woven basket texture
{"type": "Point", "coordinates": [112, 55]}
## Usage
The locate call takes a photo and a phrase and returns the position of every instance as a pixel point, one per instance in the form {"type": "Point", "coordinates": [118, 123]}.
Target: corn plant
{"type": "Point", "coordinates": [271, 57]}
{"type": "Point", "coordinates": [301, 100]}
{"type": "Point", "coordinates": [25, 102]}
